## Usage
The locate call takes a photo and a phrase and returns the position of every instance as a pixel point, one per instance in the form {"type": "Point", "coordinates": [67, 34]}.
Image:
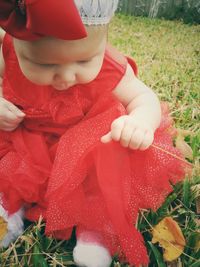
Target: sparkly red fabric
{"type": "Point", "coordinates": [55, 163]}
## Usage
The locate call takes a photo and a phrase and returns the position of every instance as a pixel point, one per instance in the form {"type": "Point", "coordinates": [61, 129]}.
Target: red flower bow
{"type": "Point", "coordinates": [33, 19]}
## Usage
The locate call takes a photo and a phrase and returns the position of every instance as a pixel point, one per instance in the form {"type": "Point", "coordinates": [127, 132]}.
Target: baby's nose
{"type": "Point", "coordinates": [65, 74]}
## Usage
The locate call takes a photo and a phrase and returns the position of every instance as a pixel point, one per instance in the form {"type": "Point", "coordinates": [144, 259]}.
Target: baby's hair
{"type": "Point", "coordinates": [100, 30]}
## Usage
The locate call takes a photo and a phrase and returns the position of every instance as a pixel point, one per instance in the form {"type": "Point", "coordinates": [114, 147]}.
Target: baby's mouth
{"type": "Point", "coordinates": [61, 86]}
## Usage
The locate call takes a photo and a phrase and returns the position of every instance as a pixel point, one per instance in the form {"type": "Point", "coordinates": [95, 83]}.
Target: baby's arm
{"type": "Point", "coordinates": [10, 115]}
{"type": "Point", "coordinates": [135, 130]}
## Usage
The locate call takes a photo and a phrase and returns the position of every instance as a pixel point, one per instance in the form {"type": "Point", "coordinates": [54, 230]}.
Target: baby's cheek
{"type": "Point", "coordinates": [38, 77]}
{"type": "Point", "coordinates": [89, 74]}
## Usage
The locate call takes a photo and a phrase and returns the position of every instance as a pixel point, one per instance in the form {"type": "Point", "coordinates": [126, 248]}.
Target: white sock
{"type": "Point", "coordinates": [15, 226]}
{"type": "Point", "coordinates": [90, 252]}
{"type": "Point", "coordinates": [91, 255]}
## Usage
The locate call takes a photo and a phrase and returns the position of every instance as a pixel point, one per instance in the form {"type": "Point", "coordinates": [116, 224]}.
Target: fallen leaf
{"type": "Point", "coordinates": [180, 143]}
{"type": "Point", "coordinates": [183, 147]}
{"type": "Point", "coordinates": [168, 233]}
{"type": "Point", "coordinates": [3, 228]}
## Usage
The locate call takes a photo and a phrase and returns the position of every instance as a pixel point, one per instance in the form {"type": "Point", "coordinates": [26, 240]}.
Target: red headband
{"type": "Point", "coordinates": [33, 19]}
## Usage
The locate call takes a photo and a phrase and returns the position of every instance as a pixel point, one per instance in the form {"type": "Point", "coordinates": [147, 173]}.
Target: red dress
{"type": "Point", "coordinates": [55, 164]}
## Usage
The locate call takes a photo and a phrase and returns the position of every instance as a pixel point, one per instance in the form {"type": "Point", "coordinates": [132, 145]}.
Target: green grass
{"type": "Point", "coordinates": [168, 56]}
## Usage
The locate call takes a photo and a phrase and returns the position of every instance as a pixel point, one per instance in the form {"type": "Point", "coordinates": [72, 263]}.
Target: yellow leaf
{"type": "Point", "coordinates": [3, 228]}
{"type": "Point", "coordinates": [168, 233]}
{"type": "Point", "coordinates": [184, 148]}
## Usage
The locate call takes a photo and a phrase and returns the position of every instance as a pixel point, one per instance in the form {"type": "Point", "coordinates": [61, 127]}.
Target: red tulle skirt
{"type": "Point", "coordinates": [72, 179]}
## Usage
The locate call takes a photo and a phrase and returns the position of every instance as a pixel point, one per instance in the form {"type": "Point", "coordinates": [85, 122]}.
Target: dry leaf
{"type": "Point", "coordinates": [184, 148]}
{"type": "Point", "coordinates": [168, 233]}
{"type": "Point", "coordinates": [3, 228]}
{"type": "Point", "coordinates": [180, 143]}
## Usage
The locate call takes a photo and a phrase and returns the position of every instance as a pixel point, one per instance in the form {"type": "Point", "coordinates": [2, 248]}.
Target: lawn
{"type": "Point", "coordinates": [168, 57]}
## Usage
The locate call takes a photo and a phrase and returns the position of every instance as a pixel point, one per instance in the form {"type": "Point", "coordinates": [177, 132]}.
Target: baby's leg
{"type": "Point", "coordinates": [15, 226]}
{"type": "Point", "coordinates": [90, 252]}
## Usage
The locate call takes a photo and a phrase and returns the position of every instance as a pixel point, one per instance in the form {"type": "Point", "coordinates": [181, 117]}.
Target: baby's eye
{"type": "Point", "coordinates": [46, 65]}
{"type": "Point", "coordinates": [84, 61]}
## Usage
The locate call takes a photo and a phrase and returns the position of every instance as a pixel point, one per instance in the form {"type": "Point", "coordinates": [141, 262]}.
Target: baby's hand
{"type": "Point", "coordinates": [10, 115]}
{"type": "Point", "coordinates": [130, 132]}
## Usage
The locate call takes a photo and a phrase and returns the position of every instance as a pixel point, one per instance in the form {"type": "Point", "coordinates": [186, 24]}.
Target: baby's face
{"type": "Point", "coordinates": [61, 63]}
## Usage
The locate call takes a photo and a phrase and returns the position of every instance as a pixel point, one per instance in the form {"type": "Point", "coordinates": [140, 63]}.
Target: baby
{"type": "Point", "coordinates": [62, 90]}
{"type": "Point", "coordinates": [63, 64]}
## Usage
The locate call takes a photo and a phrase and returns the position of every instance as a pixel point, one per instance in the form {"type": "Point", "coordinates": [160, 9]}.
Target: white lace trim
{"type": "Point", "coordinates": [96, 12]}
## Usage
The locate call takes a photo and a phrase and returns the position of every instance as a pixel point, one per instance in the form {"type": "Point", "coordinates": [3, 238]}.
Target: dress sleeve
{"type": "Point", "coordinates": [133, 65]}
{"type": "Point", "coordinates": [120, 59]}
{"type": "Point", "coordinates": [6, 44]}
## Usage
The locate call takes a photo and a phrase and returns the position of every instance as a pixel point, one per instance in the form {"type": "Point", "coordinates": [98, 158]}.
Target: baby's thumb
{"type": "Point", "coordinates": [106, 138]}
{"type": "Point", "coordinates": [16, 110]}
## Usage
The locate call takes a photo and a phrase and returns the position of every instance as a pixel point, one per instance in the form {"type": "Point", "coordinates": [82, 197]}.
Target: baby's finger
{"type": "Point", "coordinates": [16, 110]}
{"type": "Point", "coordinates": [116, 128]}
{"type": "Point", "coordinates": [136, 139]}
{"type": "Point", "coordinates": [106, 138]}
{"type": "Point", "coordinates": [5, 126]}
{"type": "Point", "coordinates": [8, 116]}
{"type": "Point", "coordinates": [13, 122]}
{"type": "Point", "coordinates": [147, 141]}
{"type": "Point", "coordinates": [6, 123]}
{"type": "Point", "coordinates": [126, 135]}
{"type": "Point", "coordinates": [9, 129]}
